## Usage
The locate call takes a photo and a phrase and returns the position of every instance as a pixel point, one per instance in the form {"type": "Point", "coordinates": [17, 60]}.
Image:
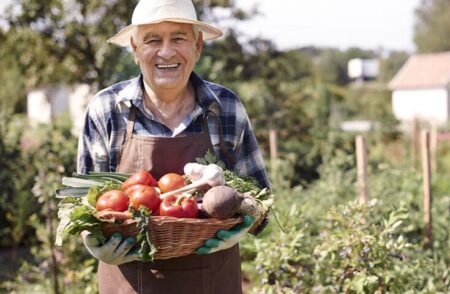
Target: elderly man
{"type": "Point", "coordinates": [160, 121]}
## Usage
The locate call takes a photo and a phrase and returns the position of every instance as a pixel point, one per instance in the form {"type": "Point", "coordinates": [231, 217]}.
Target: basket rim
{"type": "Point", "coordinates": [170, 219]}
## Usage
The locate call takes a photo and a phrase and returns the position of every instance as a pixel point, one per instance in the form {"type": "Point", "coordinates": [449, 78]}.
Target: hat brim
{"type": "Point", "coordinates": [122, 38]}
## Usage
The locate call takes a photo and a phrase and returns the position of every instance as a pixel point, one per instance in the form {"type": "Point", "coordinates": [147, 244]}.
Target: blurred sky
{"type": "Point", "coordinates": [368, 24]}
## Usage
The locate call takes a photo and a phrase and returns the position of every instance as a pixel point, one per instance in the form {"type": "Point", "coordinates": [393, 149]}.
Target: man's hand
{"type": "Point", "coordinates": [113, 251]}
{"type": "Point", "coordinates": [226, 238]}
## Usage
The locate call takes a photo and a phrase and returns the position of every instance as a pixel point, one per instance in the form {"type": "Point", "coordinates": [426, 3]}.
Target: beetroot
{"type": "Point", "coordinates": [221, 202]}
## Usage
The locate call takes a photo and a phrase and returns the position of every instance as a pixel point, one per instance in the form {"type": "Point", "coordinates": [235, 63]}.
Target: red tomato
{"type": "Point", "coordinates": [176, 207]}
{"type": "Point", "coordinates": [115, 200]}
{"type": "Point", "coordinates": [170, 182]}
{"type": "Point", "coordinates": [142, 178]}
{"type": "Point", "coordinates": [146, 196]}
{"type": "Point", "coordinates": [130, 189]}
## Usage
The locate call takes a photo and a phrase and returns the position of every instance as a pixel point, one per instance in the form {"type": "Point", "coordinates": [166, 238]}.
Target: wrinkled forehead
{"type": "Point", "coordinates": [165, 28]}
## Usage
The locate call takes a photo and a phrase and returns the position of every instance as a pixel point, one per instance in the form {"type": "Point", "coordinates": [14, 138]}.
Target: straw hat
{"type": "Point", "coordinates": [156, 11]}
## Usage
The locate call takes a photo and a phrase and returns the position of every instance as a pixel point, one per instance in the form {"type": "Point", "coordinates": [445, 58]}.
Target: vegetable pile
{"type": "Point", "coordinates": [203, 191]}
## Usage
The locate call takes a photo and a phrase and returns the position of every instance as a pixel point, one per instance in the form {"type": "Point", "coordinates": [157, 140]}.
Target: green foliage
{"type": "Point", "coordinates": [371, 102]}
{"type": "Point", "coordinates": [53, 150]}
{"type": "Point", "coordinates": [391, 64]}
{"type": "Point", "coordinates": [333, 67]}
{"type": "Point", "coordinates": [352, 248]}
{"type": "Point", "coordinates": [13, 88]}
{"type": "Point", "coordinates": [433, 26]}
{"type": "Point", "coordinates": [16, 205]}
{"type": "Point", "coordinates": [332, 64]}
{"type": "Point", "coordinates": [357, 251]}
{"type": "Point", "coordinates": [223, 61]}
{"type": "Point", "coordinates": [361, 253]}
{"type": "Point", "coordinates": [56, 41]}
{"type": "Point", "coordinates": [69, 38]}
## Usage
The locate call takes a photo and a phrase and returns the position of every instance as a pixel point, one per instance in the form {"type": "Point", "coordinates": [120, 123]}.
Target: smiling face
{"type": "Point", "coordinates": [166, 53]}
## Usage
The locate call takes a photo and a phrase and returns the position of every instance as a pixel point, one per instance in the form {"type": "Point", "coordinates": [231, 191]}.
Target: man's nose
{"type": "Point", "coordinates": [166, 50]}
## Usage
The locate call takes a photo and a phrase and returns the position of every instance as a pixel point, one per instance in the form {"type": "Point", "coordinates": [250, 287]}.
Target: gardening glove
{"type": "Point", "coordinates": [226, 238]}
{"type": "Point", "coordinates": [113, 251]}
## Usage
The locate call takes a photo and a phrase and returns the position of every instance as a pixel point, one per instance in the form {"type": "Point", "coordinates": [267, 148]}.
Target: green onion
{"type": "Point", "coordinates": [119, 176]}
{"type": "Point", "coordinates": [102, 176]}
{"type": "Point", "coordinates": [80, 182]}
{"type": "Point", "coordinates": [74, 191]}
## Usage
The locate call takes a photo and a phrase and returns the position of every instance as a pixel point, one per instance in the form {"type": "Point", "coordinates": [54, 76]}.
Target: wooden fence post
{"type": "Point", "coordinates": [54, 264]}
{"type": "Point", "coordinates": [415, 141]}
{"type": "Point", "coordinates": [427, 197]}
{"type": "Point", "coordinates": [361, 163]}
{"type": "Point", "coordinates": [433, 145]}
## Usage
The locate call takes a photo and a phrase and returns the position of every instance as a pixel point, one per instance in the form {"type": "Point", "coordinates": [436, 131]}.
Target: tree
{"type": "Point", "coordinates": [332, 65]}
{"type": "Point", "coordinates": [432, 29]}
{"type": "Point", "coordinates": [223, 61]}
{"type": "Point", "coordinates": [392, 64]}
{"type": "Point", "coordinates": [12, 90]}
{"type": "Point", "coordinates": [52, 41]}
{"type": "Point", "coordinates": [65, 41]}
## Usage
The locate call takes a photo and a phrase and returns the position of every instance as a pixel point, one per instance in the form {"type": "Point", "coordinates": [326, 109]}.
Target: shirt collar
{"type": "Point", "coordinates": [131, 92]}
{"type": "Point", "coordinates": [206, 98]}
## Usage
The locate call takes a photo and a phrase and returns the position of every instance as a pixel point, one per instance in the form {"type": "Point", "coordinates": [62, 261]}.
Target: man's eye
{"type": "Point", "coordinates": [152, 41]}
{"type": "Point", "coordinates": [179, 40]}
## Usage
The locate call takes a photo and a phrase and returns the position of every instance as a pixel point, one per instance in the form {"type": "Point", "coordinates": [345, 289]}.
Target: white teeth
{"type": "Point", "coordinates": [167, 65]}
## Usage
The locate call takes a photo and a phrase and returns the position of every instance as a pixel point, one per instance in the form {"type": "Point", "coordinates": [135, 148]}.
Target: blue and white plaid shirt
{"type": "Point", "coordinates": [107, 115]}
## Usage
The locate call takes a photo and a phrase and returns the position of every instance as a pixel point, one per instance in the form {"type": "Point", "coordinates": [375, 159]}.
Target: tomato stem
{"type": "Point", "coordinates": [180, 198]}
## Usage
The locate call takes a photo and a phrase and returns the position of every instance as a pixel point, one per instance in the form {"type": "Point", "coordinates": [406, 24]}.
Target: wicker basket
{"type": "Point", "coordinates": [174, 237]}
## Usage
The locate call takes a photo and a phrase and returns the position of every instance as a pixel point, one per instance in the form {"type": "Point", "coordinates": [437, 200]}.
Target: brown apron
{"type": "Point", "coordinates": [214, 273]}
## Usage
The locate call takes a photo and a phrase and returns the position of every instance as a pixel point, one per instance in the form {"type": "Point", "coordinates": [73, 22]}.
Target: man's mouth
{"type": "Point", "coordinates": [171, 66]}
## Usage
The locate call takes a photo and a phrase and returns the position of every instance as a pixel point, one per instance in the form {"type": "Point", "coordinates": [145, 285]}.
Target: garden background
{"type": "Point", "coordinates": [330, 244]}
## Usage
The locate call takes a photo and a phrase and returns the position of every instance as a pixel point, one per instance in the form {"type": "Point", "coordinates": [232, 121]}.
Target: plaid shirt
{"type": "Point", "coordinates": [107, 115]}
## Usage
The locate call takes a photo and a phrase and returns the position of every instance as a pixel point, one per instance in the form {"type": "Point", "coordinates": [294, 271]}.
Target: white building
{"type": "Point", "coordinates": [49, 102]}
{"type": "Point", "coordinates": [363, 69]}
{"type": "Point", "coordinates": [421, 88]}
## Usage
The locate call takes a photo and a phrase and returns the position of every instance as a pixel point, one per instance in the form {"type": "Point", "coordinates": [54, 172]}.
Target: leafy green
{"type": "Point", "coordinates": [95, 191]}
{"type": "Point", "coordinates": [92, 195]}
{"type": "Point", "coordinates": [240, 183]}
{"type": "Point", "coordinates": [83, 218]}
{"type": "Point", "coordinates": [64, 209]}
{"type": "Point", "coordinates": [146, 250]}
{"type": "Point", "coordinates": [77, 214]}
{"type": "Point", "coordinates": [210, 158]}
{"type": "Point", "coordinates": [76, 217]}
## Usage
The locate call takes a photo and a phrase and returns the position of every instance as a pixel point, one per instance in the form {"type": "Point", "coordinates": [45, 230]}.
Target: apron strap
{"type": "Point", "coordinates": [130, 123]}
{"type": "Point", "coordinates": [223, 148]}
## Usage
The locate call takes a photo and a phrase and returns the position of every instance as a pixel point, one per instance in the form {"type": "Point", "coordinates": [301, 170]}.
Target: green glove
{"type": "Point", "coordinates": [113, 251]}
{"type": "Point", "coordinates": [226, 238]}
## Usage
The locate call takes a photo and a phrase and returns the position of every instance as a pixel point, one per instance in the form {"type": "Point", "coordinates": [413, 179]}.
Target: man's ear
{"type": "Point", "coordinates": [133, 48]}
{"type": "Point", "coordinates": [199, 45]}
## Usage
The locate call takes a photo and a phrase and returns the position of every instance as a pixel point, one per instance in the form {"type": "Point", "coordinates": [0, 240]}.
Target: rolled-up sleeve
{"type": "Point", "coordinates": [248, 156]}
